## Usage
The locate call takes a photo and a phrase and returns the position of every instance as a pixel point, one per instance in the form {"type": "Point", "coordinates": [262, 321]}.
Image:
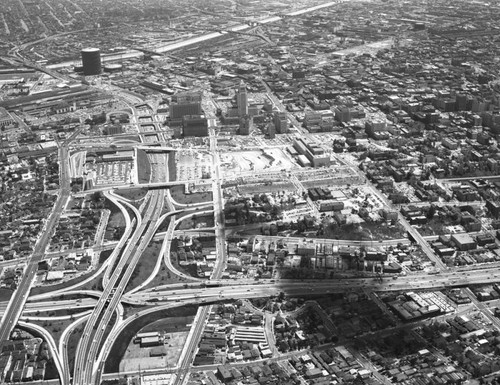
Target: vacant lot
{"type": "Point", "coordinates": [179, 196]}
{"type": "Point", "coordinates": [74, 339]}
{"type": "Point", "coordinates": [196, 222]}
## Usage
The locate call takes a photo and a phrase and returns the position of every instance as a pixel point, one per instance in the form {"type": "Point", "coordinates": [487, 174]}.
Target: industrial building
{"type": "Point", "coordinates": [147, 342]}
{"type": "Point", "coordinates": [5, 118]}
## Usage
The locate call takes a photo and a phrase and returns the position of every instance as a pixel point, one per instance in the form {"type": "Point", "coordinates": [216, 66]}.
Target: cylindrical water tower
{"type": "Point", "coordinates": [91, 61]}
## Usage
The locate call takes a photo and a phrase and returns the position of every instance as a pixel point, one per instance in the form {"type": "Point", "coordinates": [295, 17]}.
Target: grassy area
{"type": "Point", "coordinates": [145, 266]}
{"type": "Point", "coordinates": [95, 284]}
{"type": "Point", "coordinates": [73, 340]}
{"type": "Point", "coordinates": [165, 224]}
{"type": "Point", "coordinates": [143, 167]}
{"type": "Point", "coordinates": [169, 325]}
{"type": "Point", "coordinates": [133, 194]}
{"type": "Point", "coordinates": [179, 196]}
{"type": "Point", "coordinates": [5, 294]}
{"type": "Point", "coordinates": [57, 313]}
{"type": "Point", "coordinates": [55, 327]}
{"type": "Point", "coordinates": [104, 255]}
{"type": "Point", "coordinates": [195, 220]}
{"type": "Point", "coordinates": [131, 310]}
{"type": "Point", "coordinates": [164, 277]}
{"type": "Point", "coordinates": [116, 218]}
{"type": "Point", "coordinates": [120, 346]}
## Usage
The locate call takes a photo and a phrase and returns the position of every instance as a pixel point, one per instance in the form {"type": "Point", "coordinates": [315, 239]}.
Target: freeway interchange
{"type": "Point", "coordinates": [104, 305]}
{"type": "Point", "coordinates": [101, 313]}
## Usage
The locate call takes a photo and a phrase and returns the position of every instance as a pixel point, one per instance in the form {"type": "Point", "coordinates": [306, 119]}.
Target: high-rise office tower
{"type": "Point", "coordinates": [246, 124]}
{"type": "Point", "coordinates": [184, 104]}
{"type": "Point", "coordinates": [179, 110]}
{"type": "Point", "coordinates": [271, 130]}
{"type": "Point", "coordinates": [194, 125]}
{"type": "Point", "coordinates": [280, 120]}
{"type": "Point", "coordinates": [242, 100]}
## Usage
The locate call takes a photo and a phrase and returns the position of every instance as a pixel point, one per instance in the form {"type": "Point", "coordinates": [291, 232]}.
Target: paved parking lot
{"type": "Point", "coordinates": [112, 173]}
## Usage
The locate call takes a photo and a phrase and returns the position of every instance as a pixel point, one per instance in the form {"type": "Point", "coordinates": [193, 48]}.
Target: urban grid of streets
{"type": "Point", "coordinates": [107, 309]}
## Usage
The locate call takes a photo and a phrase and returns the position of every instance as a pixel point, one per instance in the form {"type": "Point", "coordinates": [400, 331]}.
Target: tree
{"type": "Point", "coordinates": [97, 196]}
{"type": "Point", "coordinates": [305, 261]}
{"type": "Point", "coordinates": [431, 212]}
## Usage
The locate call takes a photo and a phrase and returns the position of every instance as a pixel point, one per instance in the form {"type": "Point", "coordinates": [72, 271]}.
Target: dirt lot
{"type": "Point", "coordinates": [195, 222]}
{"type": "Point", "coordinates": [271, 160]}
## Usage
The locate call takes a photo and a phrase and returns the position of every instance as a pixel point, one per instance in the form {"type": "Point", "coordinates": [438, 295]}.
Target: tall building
{"type": "Point", "coordinates": [194, 125]}
{"type": "Point", "coordinates": [242, 100]}
{"type": "Point", "coordinates": [271, 130]}
{"type": "Point", "coordinates": [246, 124]}
{"type": "Point", "coordinates": [280, 122]}
{"type": "Point", "coordinates": [91, 61]}
{"type": "Point", "coordinates": [184, 104]}
{"type": "Point", "coordinates": [343, 114]}
{"type": "Point", "coordinates": [178, 111]}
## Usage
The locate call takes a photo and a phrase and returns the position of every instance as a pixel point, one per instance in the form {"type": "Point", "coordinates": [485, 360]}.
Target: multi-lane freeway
{"type": "Point", "coordinates": [180, 294]}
